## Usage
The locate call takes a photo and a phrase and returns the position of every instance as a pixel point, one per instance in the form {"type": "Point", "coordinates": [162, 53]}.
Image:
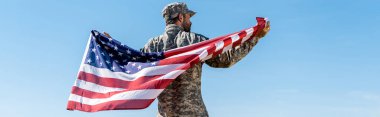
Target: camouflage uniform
{"type": "Point", "coordinates": [183, 97]}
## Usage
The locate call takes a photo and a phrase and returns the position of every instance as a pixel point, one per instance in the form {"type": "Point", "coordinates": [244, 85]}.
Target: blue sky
{"type": "Point", "coordinates": [321, 58]}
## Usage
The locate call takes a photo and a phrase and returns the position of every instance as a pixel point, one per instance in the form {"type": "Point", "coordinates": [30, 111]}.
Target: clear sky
{"type": "Point", "coordinates": [321, 58]}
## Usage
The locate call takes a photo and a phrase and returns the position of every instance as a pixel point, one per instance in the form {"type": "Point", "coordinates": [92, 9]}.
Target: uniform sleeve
{"type": "Point", "coordinates": [232, 56]}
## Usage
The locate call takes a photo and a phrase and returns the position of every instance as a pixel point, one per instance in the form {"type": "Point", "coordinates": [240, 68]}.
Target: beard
{"type": "Point", "coordinates": [186, 26]}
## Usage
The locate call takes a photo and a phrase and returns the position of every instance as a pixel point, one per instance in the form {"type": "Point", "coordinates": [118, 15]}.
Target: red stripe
{"type": "Point", "coordinates": [211, 50]}
{"type": "Point", "coordinates": [177, 60]}
{"type": "Point", "coordinates": [117, 83]}
{"type": "Point", "coordinates": [227, 42]}
{"type": "Point", "coordinates": [111, 105]}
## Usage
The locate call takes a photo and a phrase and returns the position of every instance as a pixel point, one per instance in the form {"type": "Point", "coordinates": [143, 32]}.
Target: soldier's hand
{"type": "Point", "coordinates": [107, 35]}
{"type": "Point", "coordinates": [265, 30]}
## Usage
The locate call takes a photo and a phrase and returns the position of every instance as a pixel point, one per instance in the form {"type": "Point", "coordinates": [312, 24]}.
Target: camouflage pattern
{"type": "Point", "coordinates": [172, 10]}
{"type": "Point", "coordinates": [183, 97]}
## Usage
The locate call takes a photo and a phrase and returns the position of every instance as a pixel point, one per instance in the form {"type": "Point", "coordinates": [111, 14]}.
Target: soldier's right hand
{"type": "Point", "coordinates": [265, 30]}
{"type": "Point", "coordinates": [107, 35]}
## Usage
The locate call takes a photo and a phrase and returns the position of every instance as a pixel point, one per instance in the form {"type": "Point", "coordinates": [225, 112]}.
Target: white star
{"type": "Point", "coordinates": [139, 67]}
{"type": "Point", "coordinates": [111, 55]}
{"type": "Point", "coordinates": [101, 64]}
{"type": "Point", "coordinates": [158, 54]}
{"type": "Point", "coordinates": [133, 64]}
{"type": "Point", "coordinates": [89, 61]}
{"type": "Point", "coordinates": [134, 58]}
{"type": "Point", "coordinates": [108, 62]}
{"type": "Point", "coordinates": [102, 53]}
{"type": "Point", "coordinates": [120, 54]}
{"type": "Point", "coordinates": [128, 51]}
{"type": "Point", "coordinates": [122, 67]}
{"type": "Point", "coordinates": [113, 68]}
{"type": "Point", "coordinates": [109, 39]}
{"type": "Point", "coordinates": [97, 57]}
{"type": "Point", "coordinates": [97, 45]}
{"type": "Point", "coordinates": [125, 60]}
{"type": "Point", "coordinates": [128, 71]}
{"type": "Point", "coordinates": [154, 63]}
{"type": "Point", "coordinates": [116, 61]}
{"type": "Point", "coordinates": [93, 49]}
{"type": "Point", "coordinates": [115, 47]}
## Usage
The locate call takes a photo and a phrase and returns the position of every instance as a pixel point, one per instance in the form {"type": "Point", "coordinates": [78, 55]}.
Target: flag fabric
{"type": "Point", "coordinates": [113, 76]}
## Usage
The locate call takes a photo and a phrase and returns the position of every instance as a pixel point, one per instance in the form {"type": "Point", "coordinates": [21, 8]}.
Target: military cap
{"type": "Point", "coordinates": [172, 10]}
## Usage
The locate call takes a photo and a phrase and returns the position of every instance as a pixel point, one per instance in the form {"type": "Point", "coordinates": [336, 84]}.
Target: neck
{"type": "Point", "coordinates": [178, 23]}
{"type": "Point", "coordinates": [173, 27]}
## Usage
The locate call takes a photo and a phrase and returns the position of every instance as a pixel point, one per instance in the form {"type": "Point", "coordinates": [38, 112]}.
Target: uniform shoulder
{"type": "Point", "coordinates": [192, 36]}
{"type": "Point", "coordinates": [187, 38]}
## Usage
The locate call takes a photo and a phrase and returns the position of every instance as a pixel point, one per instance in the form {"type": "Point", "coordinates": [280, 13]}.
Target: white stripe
{"type": "Point", "coordinates": [219, 45]}
{"type": "Point", "coordinates": [235, 37]}
{"type": "Point", "coordinates": [203, 55]}
{"type": "Point", "coordinates": [249, 34]}
{"type": "Point", "coordinates": [95, 87]}
{"type": "Point", "coordinates": [137, 94]}
{"type": "Point", "coordinates": [171, 75]}
{"type": "Point", "coordinates": [149, 71]}
{"type": "Point", "coordinates": [196, 51]}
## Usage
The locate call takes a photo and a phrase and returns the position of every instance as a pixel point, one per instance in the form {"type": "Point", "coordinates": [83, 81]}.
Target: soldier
{"type": "Point", "coordinates": [182, 98]}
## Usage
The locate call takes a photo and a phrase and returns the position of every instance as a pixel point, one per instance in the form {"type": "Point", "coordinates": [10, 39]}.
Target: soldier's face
{"type": "Point", "coordinates": [186, 24]}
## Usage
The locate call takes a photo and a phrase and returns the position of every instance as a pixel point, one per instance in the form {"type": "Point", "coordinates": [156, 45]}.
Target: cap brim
{"type": "Point", "coordinates": [192, 13]}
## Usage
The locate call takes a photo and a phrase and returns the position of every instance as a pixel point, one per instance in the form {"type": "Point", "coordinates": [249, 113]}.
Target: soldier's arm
{"type": "Point", "coordinates": [223, 60]}
{"type": "Point", "coordinates": [234, 55]}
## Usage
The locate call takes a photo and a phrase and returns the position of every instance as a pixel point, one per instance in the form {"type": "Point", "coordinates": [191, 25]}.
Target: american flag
{"type": "Point", "coordinates": [113, 76]}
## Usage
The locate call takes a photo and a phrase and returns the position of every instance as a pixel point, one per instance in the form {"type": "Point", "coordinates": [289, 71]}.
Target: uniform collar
{"type": "Point", "coordinates": [173, 27]}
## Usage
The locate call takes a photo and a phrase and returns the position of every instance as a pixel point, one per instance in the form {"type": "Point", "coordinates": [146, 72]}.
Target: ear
{"type": "Point", "coordinates": [180, 17]}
